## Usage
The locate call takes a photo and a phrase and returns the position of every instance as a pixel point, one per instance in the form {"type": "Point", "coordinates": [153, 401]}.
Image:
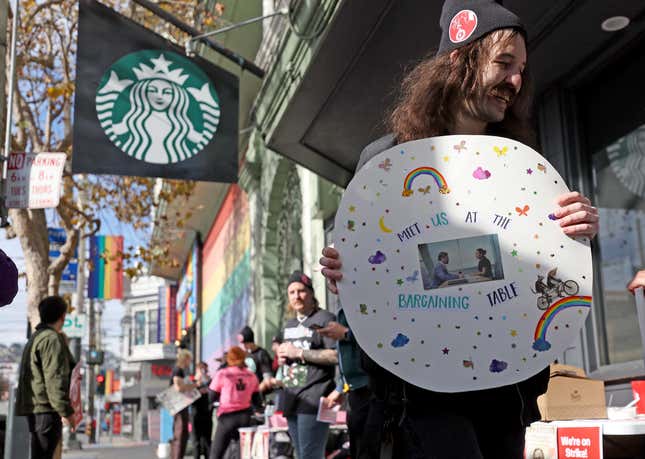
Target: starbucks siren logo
{"type": "Point", "coordinates": [156, 114]}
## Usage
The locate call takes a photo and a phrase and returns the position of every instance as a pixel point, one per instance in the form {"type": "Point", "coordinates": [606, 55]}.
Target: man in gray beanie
{"type": "Point", "coordinates": [475, 84]}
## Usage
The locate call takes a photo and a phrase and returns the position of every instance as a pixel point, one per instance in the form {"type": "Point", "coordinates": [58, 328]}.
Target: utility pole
{"type": "Point", "coordinates": [4, 154]}
{"type": "Point", "coordinates": [91, 372]}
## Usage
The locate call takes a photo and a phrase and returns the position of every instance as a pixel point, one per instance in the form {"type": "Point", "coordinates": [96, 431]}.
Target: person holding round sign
{"type": "Point", "coordinates": [456, 366]}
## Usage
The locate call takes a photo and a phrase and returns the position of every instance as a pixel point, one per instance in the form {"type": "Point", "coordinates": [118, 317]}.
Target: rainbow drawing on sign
{"type": "Point", "coordinates": [540, 342]}
{"type": "Point", "coordinates": [431, 171]}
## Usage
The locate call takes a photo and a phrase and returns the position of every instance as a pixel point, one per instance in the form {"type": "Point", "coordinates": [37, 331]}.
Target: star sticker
{"type": "Point", "coordinates": [399, 282]}
{"type": "Point", "coordinates": [529, 171]}
{"type": "Point", "coordinates": [445, 351]}
{"type": "Point", "coordinates": [352, 209]}
{"type": "Point", "coordinates": [513, 332]}
{"type": "Point", "coordinates": [446, 158]}
{"type": "Point", "coordinates": [514, 252]}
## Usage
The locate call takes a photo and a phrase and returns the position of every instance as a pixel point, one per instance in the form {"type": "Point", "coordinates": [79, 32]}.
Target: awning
{"type": "Point", "coordinates": [339, 104]}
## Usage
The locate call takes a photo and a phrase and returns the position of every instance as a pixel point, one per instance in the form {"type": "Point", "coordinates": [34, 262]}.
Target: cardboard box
{"type": "Point", "coordinates": [571, 395]}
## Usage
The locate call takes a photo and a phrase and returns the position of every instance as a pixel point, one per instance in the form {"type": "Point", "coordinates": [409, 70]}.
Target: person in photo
{"type": "Point", "coordinates": [484, 268]}
{"type": "Point", "coordinates": [441, 273]}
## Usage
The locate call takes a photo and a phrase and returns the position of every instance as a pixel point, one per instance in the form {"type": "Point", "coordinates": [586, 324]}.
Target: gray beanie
{"type": "Point", "coordinates": [464, 21]}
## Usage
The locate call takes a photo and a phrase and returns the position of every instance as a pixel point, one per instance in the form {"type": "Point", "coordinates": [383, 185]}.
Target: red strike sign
{"type": "Point", "coordinates": [579, 442]}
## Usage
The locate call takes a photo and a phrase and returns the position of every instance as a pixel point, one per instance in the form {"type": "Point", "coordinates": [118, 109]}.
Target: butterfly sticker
{"type": "Point", "coordinates": [414, 277]}
{"type": "Point", "coordinates": [386, 164]}
{"type": "Point", "coordinates": [522, 211]}
{"type": "Point", "coordinates": [500, 151]}
{"type": "Point", "coordinates": [425, 190]}
{"type": "Point", "coordinates": [460, 146]}
{"type": "Point", "coordinates": [541, 168]}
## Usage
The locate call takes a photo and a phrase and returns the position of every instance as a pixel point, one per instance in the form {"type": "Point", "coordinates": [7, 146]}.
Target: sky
{"type": "Point", "coordinates": [13, 318]}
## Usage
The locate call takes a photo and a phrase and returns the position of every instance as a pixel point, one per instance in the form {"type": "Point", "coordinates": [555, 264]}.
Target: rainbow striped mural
{"type": "Point", "coordinates": [187, 289]}
{"type": "Point", "coordinates": [106, 273]}
{"type": "Point", "coordinates": [540, 342]}
{"type": "Point", "coordinates": [226, 275]}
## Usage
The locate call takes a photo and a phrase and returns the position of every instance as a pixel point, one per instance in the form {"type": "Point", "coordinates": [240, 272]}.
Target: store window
{"type": "Point", "coordinates": [139, 328]}
{"type": "Point", "coordinates": [152, 326]}
{"type": "Point", "coordinates": [613, 118]}
{"type": "Point", "coordinates": [619, 171]}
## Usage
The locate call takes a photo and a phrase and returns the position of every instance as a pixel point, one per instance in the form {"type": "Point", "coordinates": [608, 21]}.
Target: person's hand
{"type": "Point", "coordinates": [576, 216]}
{"type": "Point", "coordinates": [637, 281]}
{"type": "Point", "coordinates": [288, 351]}
{"type": "Point", "coordinates": [335, 398]}
{"type": "Point", "coordinates": [69, 422]}
{"type": "Point", "coordinates": [331, 270]}
{"type": "Point", "coordinates": [333, 330]}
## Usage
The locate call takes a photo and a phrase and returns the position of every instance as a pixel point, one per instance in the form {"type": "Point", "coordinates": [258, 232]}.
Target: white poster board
{"type": "Point", "coordinates": [423, 301]}
{"type": "Point", "coordinates": [175, 401]}
{"type": "Point", "coordinates": [74, 325]}
{"type": "Point", "coordinates": [34, 180]}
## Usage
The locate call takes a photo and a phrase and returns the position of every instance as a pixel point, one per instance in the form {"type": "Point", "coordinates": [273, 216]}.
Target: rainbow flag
{"type": "Point", "coordinates": [106, 272]}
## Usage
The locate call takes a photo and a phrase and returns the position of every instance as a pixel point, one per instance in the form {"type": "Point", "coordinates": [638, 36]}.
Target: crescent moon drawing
{"type": "Point", "coordinates": [381, 225]}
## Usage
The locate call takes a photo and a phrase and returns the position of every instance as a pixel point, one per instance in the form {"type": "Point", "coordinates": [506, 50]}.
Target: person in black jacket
{"type": "Point", "coordinates": [476, 84]}
{"type": "Point", "coordinates": [202, 413]}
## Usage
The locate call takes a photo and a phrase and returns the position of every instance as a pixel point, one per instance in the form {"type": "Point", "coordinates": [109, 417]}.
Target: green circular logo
{"type": "Point", "coordinates": [157, 106]}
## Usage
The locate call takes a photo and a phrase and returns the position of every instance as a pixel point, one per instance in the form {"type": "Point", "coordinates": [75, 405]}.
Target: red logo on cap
{"type": "Point", "coordinates": [462, 26]}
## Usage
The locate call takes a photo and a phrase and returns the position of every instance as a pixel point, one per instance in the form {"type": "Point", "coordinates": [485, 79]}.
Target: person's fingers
{"type": "Point", "coordinates": [330, 263]}
{"type": "Point", "coordinates": [638, 281]}
{"type": "Point", "coordinates": [583, 229]}
{"type": "Point", "coordinates": [332, 274]}
{"type": "Point", "coordinates": [330, 252]}
{"type": "Point", "coordinates": [571, 197]}
{"type": "Point", "coordinates": [574, 208]}
{"type": "Point", "coordinates": [331, 286]}
{"type": "Point", "coordinates": [581, 216]}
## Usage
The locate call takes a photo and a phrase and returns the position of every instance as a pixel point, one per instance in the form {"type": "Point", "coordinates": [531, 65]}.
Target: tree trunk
{"type": "Point", "coordinates": [31, 228]}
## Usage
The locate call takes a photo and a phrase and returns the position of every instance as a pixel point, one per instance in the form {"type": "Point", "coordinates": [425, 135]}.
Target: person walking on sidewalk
{"type": "Point", "coordinates": [43, 381]}
{"type": "Point", "coordinates": [236, 387]}
{"type": "Point", "coordinates": [180, 420]}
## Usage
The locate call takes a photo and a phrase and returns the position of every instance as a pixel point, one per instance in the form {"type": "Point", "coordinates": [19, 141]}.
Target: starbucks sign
{"type": "Point", "coordinates": [157, 106]}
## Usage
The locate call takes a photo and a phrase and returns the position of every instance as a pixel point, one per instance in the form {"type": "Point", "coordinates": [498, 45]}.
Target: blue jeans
{"type": "Point", "coordinates": [309, 436]}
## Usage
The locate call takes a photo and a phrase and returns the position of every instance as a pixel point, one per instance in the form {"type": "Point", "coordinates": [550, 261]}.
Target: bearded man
{"type": "Point", "coordinates": [476, 84]}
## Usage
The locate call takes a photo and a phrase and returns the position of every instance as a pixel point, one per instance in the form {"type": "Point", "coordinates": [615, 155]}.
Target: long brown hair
{"type": "Point", "coordinates": [429, 93]}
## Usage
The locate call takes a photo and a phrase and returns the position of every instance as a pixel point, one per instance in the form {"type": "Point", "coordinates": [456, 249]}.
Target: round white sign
{"type": "Point", "coordinates": [456, 274]}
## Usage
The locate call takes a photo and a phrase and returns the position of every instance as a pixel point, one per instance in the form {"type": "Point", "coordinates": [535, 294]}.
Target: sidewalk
{"type": "Point", "coordinates": [119, 447]}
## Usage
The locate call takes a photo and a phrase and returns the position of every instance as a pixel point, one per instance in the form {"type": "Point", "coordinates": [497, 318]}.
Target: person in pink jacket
{"type": "Point", "coordinates": [237, 389]}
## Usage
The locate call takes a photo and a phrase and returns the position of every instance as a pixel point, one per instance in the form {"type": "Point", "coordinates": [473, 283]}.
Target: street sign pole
{"type": "Point", "coordinates": [4, 155]}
